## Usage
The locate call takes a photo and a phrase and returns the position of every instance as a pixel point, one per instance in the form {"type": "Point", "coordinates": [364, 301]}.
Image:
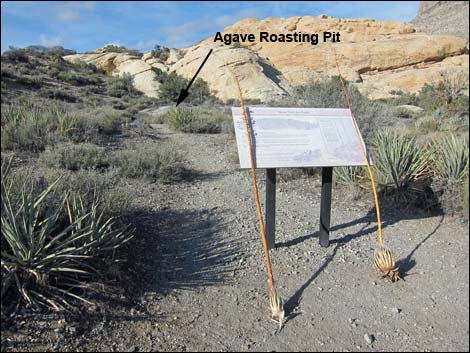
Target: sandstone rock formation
{"type": "Point", "coordinates": [260, 80]}
{"type": "Point", "coordinates": [379, 57]}
{"type": "Point", "coordinates": [117, 64]}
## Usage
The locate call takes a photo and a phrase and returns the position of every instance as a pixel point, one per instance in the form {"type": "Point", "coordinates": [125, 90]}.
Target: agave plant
{"type": "Point", "coordinates": [398, 160]}
{"type": "Point", "coordinates": [450, 158]}
{"type": "Point", "coordinates": [47, 259]}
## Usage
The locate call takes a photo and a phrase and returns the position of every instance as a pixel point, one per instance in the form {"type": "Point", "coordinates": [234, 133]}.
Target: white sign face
{"type": "Point", "coordinates": [298, 137]}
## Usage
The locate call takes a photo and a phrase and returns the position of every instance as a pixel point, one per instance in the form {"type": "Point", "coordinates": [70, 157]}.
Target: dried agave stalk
{"type": "Point", "coordinates": [277, 309]}
{"type": "Point", "coordinates": [384, 259]}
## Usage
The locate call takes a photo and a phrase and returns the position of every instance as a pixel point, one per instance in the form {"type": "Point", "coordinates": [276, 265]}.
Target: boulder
{"type": "Point", "coordinates": [258, 78]}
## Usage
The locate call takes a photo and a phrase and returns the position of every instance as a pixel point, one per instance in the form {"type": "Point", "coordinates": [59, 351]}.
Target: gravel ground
{"type": "Point", "coordinates": [202, 283]}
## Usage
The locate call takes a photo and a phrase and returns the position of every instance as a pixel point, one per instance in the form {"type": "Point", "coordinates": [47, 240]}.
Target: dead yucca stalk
{"type": "Point", "coordinates": [384, 259]}
{"type": "Point", "coordinates": [385, 263]}
{"type": "Point", "coordinates": [277, 308]}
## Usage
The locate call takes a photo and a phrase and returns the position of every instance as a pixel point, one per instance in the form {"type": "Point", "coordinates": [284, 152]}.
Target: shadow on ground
{"type": "Point", "coordinates": [405, 264]}
{"type": "Point", "coordinates": [180, 250]}
{"type": "Point", "coordinates": [390, 216]}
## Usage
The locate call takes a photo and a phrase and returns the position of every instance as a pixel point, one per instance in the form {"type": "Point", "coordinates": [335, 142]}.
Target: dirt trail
{"type": "Point", "coordinates": [335, 297]}
{"type": "Point", "coordinates": [206, 287]}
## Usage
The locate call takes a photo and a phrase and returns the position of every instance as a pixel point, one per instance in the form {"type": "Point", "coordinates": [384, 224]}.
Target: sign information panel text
{"type": "Point", "coordinates": [298, 137]}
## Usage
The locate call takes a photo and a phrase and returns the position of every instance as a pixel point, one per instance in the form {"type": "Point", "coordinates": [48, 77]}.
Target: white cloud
{"type": "Point", "coordinates": [183, 35]}
{"type": "Point", "coordinates": [146, 44]}
{"type": "Point", "coordinates": [50, 41]}
{"type": "Point", "coordinates": [71, 11]}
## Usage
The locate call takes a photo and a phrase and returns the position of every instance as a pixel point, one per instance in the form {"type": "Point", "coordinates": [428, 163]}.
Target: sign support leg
{"type": "Point", "coordinates": [271, 207]}
{"type": "Point", "coordinates": [325, 206]}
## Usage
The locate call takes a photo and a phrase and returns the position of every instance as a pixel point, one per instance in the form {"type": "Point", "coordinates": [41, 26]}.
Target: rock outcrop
{"type": "Point", "coordinates": [118, 64]}
{"type": "Point", "coordinates": [260, 80]}
{"type": "Point", "coordinates": [379, 57]}
{"type": "Point", "coordinates": [443, 17]}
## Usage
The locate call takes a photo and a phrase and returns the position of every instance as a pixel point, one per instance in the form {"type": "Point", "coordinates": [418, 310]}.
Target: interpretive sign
{"type": "Point", "coordinates": [298, 137]}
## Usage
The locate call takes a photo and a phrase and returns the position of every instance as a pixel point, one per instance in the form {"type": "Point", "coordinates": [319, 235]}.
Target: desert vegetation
{"type": "Point", "coordinates": [407, 146]}
{"type": "Point", "coordinates": [78, 145]}
{"type": "Point", "coordinates": [63, 225]}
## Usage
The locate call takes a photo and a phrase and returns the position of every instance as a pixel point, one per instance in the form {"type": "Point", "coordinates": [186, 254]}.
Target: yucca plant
{"type": "Point", "coordinates": [450, 158]}
{"type": "Point", "coordinates": [349, 176]}
{"type": "Point", "coordinates": [49, 254]}
{"type": "Point", "coordinates": [398, 160]}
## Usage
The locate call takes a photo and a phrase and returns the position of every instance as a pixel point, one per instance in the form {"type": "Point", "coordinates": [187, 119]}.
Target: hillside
{"type": "Point", "coordinates": [443, 17]}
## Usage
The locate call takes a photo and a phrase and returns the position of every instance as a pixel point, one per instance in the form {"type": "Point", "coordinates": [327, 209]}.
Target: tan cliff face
{"type": "Point", "coordinates": [379, 57]}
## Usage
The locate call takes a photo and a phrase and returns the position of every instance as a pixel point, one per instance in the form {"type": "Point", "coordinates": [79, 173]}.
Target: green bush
{"type": "Point", "coordinates": [15, 55]}
{"type": "Point", "coordinates": [75, 157]}
{"type": "Point", "coordinates": [161, 53]}
{"type": "Point", "coordinates": [26, 126]}
{"type": "Point", "coordinates": [196, 120]}
{"type": "Point", "coordinates": [60, 95]}
{"type": "Point", "coordinates": [328, 93]}
{"type": "Point", "coordinates": [103, 187]}
{"type": "Point", "coordinates": [78, 79]}
{"type": "Point", "coordinates": [157, 163]}
{"type": "Point", "coordinates": [109, 121]}
{"type": "Point", "coordinates": [51, 254]}
{"type": "Point", "coordinates": [122, 86]}
{"type": "Point", "coordinates": [121, 49]}
{"type": "Point", "coordinates": [171, 85]}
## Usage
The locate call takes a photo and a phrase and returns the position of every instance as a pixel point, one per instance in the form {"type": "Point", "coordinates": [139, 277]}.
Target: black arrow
{"type": "Point", "coordinates": [184, 92]}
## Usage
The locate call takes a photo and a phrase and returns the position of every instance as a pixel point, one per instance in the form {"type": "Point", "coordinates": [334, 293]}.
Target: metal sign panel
{"type": "Point", "coordinates": [298, 137]}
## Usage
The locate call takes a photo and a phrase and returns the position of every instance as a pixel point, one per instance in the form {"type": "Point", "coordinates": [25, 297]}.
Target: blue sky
{"type": "Point", "coordinates": [139, 25]}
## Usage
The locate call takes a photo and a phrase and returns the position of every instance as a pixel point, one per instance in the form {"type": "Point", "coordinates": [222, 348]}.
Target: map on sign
{"type": "Point", "coordinates": [298, 137]}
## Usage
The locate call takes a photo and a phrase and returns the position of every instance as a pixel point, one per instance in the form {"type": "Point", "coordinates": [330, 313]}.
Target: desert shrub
{"type": "Point", "coordinates": [25, 81]}
{"type": "Point", "coordinates": [104, 187]}
{"type": "Point", "coordinates": [121, 49]}
{"type": "Point", "coordinates": [109, 121]}
{"type": "Point", "coordinates": [78, 79]}
{"type": "Point", "coordinates": [195, 120]}
{"type": "Point", "coordinates": [171, 85]}
{"type": "Point", "coordinates": [403, 98]}
{"type": "Point", "coordinates": [122, 86]}
{"type": "Point", "coordinates": [59, 95]}
{"type": "Point", "coordinates": [50, 253]}
{"type": "Point", "coordinates": [33, 126]}
{"type": "Point", "coordinates": [161, 53]}
{"type": "Point", "coordinates": [75, 157]}
{"type": "Point", "coordinates": [446, 95]}
{"type": "Point", "coordinates": [157, 163]}
{"type": "Point", "coordinates": [398, 160]}
{"type": "Point", "coordinates": [328, 93]}
{"type": "Point", "coordinates": [26, 126]}
{"type": "Point", "coordinates": [428, 124]}
{"type": "Point", "coordinates": [15, 55]}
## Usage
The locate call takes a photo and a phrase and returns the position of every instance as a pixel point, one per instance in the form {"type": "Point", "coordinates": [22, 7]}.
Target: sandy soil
{"type": "Point", "coordinates": [201, 279]}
